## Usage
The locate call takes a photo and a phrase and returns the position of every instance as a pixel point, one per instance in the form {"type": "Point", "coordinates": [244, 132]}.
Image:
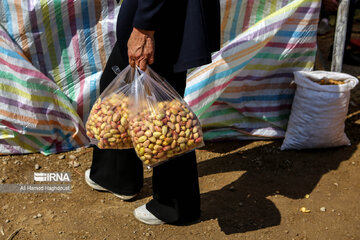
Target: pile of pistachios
{"type": "Point", "coordinates": [164, 131]}
{"type": "Point", "coordinates": [108, 122]}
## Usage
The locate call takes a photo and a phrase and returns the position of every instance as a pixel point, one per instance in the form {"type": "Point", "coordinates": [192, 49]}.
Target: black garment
{"type": "Point", "coordinates": [186, 31]}
{"type": "Point", "coordinates": [176, 196]}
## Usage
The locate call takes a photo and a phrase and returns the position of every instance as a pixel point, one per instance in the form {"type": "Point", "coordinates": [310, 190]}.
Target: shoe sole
{"type": "Point", "coordinates": [149, 222]}
{"type": "Point", "coordinates": [97, 187]}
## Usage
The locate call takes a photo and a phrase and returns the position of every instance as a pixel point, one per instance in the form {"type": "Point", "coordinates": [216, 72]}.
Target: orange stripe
{"type": "Point", "coordinates": [248, 88]}
{"type": "Point", "coordinates": [225, 18]}
{"type": "Point", "coordinates": [231, 58]}
{"type": "Point", "coordinates": [42, 122]}
{"type": "Point", "coordinates": [302, 21]}
{"type": "Point", "coordinates": [35, 121]}
{"type": "Point", "coordinates": [22, 32]}
{"type": "Point", "coordinates": [20, 53]}
{"type": "Point", "coordinates": [99, 33]}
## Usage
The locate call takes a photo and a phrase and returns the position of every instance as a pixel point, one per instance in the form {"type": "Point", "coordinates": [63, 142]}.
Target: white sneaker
{"type": "Point", "coordinates": [143, 215]}
{"type": "Point", "coordinates": [96, 186]}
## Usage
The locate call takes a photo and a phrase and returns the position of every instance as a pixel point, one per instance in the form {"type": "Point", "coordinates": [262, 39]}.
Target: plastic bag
{"type": "Point", "coordinates": [107, 125]}
{"type": "Point", "coordinates": [163, 125]}
{"type": "Point", "coordinates": [319, 110]}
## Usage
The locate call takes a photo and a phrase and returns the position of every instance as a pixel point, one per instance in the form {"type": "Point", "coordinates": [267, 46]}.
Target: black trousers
{"type": "Point", "coordinates": [176, 196]}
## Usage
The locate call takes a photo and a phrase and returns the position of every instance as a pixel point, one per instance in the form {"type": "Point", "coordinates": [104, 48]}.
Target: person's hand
{"type": "Point", "coordinates": [331, 6]}
{"type": "Point", "coordinates": [141, 48]}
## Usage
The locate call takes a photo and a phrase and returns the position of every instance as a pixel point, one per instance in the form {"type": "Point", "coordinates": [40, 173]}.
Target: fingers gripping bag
{"type": "Point", "coordinates": [163, 125]}
{"type": "Point", "coordinates": [107, 125]}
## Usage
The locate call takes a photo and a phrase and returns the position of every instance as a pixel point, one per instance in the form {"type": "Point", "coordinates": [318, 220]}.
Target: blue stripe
{"type": "Point", "coordinates": [213, 78]}
{"type": "Point", "coordinates": [258, 98]}
{"type": "Point", "coordinates": [11, 53]}
{"type": "Point", "coordinates": [235, 20]}
{"type": "Point", "coordinates": [8, 18]}
{"type": "Point", "coordinates": [89, 51]}
{"type": "Point", "coordinates": [54, 131]}
{"type": "Point", "coordinates": [294, 34]}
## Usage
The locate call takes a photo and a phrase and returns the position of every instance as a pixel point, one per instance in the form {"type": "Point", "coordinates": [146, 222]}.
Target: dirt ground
{"type": "Point", "coordinates": [249, 190]}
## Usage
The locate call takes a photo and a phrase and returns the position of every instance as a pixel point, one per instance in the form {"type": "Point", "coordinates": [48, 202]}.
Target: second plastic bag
{"type": "Point", "coordinates": [107, 125]}
{"type": "Point", "coordinates": [163, 125]}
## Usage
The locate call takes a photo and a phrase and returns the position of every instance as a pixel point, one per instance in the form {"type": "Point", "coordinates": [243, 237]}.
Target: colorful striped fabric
{"type": "Point", "coordinates": [246, 92]}
{"type": "Point", "coordinates": [52, 53]}
{"type": "Point", "coordinates": [35, 115]}
{"type": "Point", "coordinates": [67, 40]}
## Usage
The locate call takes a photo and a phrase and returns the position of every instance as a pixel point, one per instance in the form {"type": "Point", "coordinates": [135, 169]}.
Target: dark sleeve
{"type": "Point", "coordinates": [148, 14]}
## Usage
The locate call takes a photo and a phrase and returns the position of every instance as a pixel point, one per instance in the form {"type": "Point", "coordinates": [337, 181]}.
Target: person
{"type": "Point", "coordinates": [170, 36]}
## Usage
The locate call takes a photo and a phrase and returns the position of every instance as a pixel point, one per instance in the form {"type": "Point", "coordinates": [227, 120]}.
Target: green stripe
{"type": "Point", "coordinates": [33, 139]}
{"type": "Point", "coordinates": [227, 111]}
{"type": "Point", "coordinates": [218, 113]}
{"type": "Point", "coordinates": [32, 97]}
{"type": "Point", "coordinates": [49, 39]}
{"type": "Point", "coordinates": [284, 56]}
{"type": "Point", "coordinates": [231, 122]}
{"type": "Point", "coordinates": [204, 108]}
{"type": "Point", "coordinates": [35, 86]}
{"type": "Point", "coordinates": [260, 11]}
{"type": "Point", "coordinates": [62, 42]}
{"type": "Point", "coordinates": [22, 144]}
{"type": "Point", "coordinates": [215, 134]}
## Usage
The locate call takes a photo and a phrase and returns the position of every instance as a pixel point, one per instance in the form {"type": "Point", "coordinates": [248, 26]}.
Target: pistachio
{"type": "Point", "coordinates": [158, 123]}
{"type": "Point", "coordinates": [107, 135]}
{"type": "Point", "coordinates": [148, 133]}
{"type": "Point", "coordinates": [181, 140]}
{"type": "Point", "coordinates": [182, 146]}
{"type": "Point", "coordinates": [116, 117]}
{"type": "Point", "coordinates": [164, 130]}
{"type": "Point", "coordinates": [147, 150]}
{"type": "Point", "coordinates": [188, 124]}
{"type": "Point", "coordinates": [173, 118]}
{"type": "Point", "coordinates": [140, 133]}
{"type": "Point", "coordinates": [157, 134]}
{"type": "Point", "coordinates": [177, 127]}
{"type": "Point", "coordinates": [171, 125]}
{"type": "Point", "coordinates": [141, 151]}
{"type": "Point", "coordinates": [146, 143]}
{"type": "Point", "coordinates": [173, 144]}
{"type": "Point", "coordinates": [142, 139]}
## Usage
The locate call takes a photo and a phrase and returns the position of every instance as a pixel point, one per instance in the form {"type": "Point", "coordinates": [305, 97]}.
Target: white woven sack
{"type": "Point", "coordinates": [318, 112]}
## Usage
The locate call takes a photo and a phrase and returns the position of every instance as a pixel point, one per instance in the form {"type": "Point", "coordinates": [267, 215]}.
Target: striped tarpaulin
{"type": "Point", "coordinates": [52, 53]}
{"type": "Point", "coordinates": [35, 115]}
{"type": "Point", "coordinates": [246, 92]}
{"type": "Point", "coordinates": [67, 40]}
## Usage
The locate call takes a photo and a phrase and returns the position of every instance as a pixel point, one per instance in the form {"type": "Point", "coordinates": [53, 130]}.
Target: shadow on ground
{"type": "Point", "coordinates": [243, 206]}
